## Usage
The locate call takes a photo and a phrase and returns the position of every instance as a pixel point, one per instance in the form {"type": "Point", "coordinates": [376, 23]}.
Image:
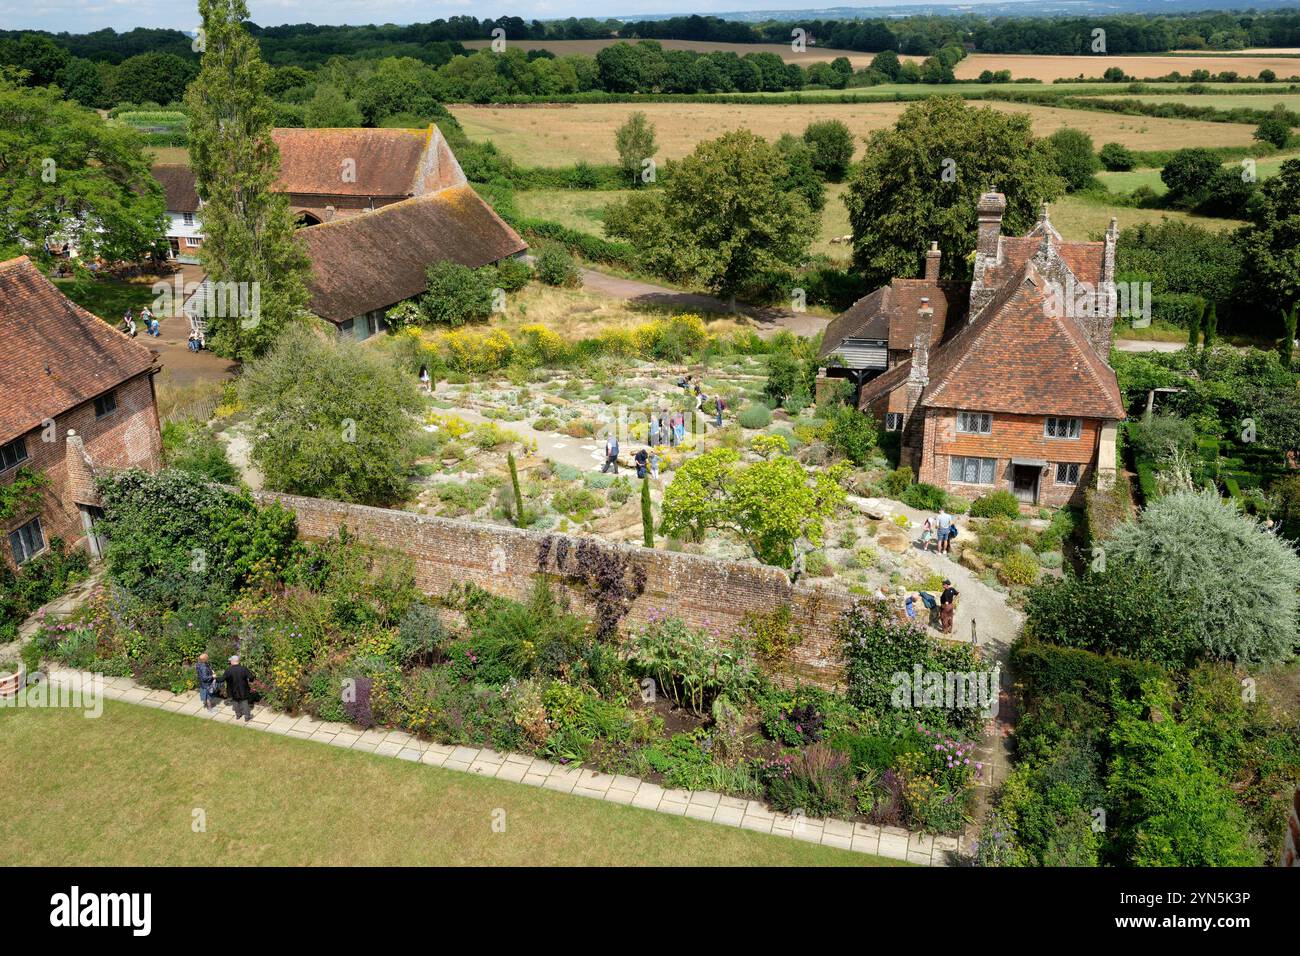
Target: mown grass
{"type": "Point", "coordinates": [124, 789]}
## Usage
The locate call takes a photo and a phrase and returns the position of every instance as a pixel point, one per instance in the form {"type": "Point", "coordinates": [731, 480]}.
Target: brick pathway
{"type": "Point", "coordinates": [892, 842]}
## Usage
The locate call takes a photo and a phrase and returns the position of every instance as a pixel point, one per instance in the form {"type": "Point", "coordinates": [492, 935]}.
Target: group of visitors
{"type": "Point", "coordinates": [238, 681]}
{"type": "Point", "coordinates": [147, 319]}
{"type": "Point", "coordinates": [667, 428]}
{"type": "Point", "coordinates": [693, 388]}
{"type": "Point", "coordinates": [939, 531]}
{"type": "Point", "coordinates": [912, 603]}
{"type": "Point", "coordinates": [197, 342]}
{"type": "Point", "coordinates": [646, 460]}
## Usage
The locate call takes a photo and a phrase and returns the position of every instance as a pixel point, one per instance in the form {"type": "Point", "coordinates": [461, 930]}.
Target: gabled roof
{"type": "Point", "coordinates": [378, 259]}
{"type": "Point", "coordinates": [1023, 355]}
{"type": "Point", "coordinates": [178, 187]}
{"type": "Point", "coordinates": [56, 354]}
{"type": "Point", "coordinates": [1085, 259]}
{"type": "Point", "coordinates": [889, 313]}
{"type": "Point", "coordinates": [387, 163]}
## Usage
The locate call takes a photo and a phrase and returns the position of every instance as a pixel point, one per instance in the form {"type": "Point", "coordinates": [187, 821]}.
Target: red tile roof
{"type": "Point", "coordinates": [377, 259]}
{"type": "Point", "coordinates": [1022, 356]}
{"type": "Point", "coordinates": [889, 313]}
{"type": "Point", "coordinates": [56, 354]}
{"type": "Point", "coordinates": [389, 163]}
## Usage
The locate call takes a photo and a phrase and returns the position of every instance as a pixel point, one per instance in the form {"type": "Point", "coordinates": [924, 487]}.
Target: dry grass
{"type": "Point", "coordinates": [169, 155]}
{"type": "Point", "coordinates": [582, 313]}
{"type": "Point", "coordinates": [562, 134]}
{"type": "Point", "coordinates": [1219, 101]}
{"type": "Point", "coordinates": [1080, 220]}
{"type": "Point", "coordinates": [121, 790]}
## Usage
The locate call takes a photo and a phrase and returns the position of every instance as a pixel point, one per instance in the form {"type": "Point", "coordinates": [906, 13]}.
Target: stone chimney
{"type": "Point", "coordinates": [918, 377]}
{"type": "Point", "coordinates": [932, 260]}
{"type": "Point", "coordinates": [991, 207]}
{"type": "Point", "coordinates": [988, 245]}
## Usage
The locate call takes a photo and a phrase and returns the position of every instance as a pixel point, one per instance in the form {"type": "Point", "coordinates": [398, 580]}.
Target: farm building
{"type": "Point", "coordinates": [364, 265]}
{"type": "Point", "coordinates": [80, 399]}
{"type": "Point", "coordinates": [184, 230]}
{"type": "Point", "coordinates": [1002, 382]}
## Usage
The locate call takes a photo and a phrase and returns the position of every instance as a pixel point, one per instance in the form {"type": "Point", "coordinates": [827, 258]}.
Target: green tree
{"type": "Point", "coordinates": [832, 148]}
{"type": "Point", "coordinates": [514, 488]}
{"type": "Point", "coordinates": [1117, 157]}
{"type": "Point", "coordinates": [1240, 586]}
{"type": "Point", "coordinates": [66, 174]}
{"type": "Point", "coordinates": [153, 77]}
{"type": "Point", "coordinates": [801, 176]}
{"type": "Point", "coordinates": [1075, 160]}
{"type": "Point", "coordinates": [1209, 327]}
{"type": "Point", "coordinates": [769, 505]}
{"type": "Point", "coordinates": [331, 420]}
{"type": "Point", "coordinates": [647, 515]}
{"type": "Point", "coordinates": [81, 80]}
{"type": "Point", "coordinates": [635, 141]}
{"type": "Point", "coordinates": [887, 63]}
{"type": "Point", "coordinates": [1270, 244]}
{"type": "Point", "coordinates": [330, 109]}
{"type": "Point", "coordinates": [1188, 175]}
{"type": "Point", "coordinates": [457, 294]}
{"type": "Point", "coordinates": [248, 226]}
{"type": "Point", "coordinates": [905, 193]}
{"type": "Point", "coordinates": [398, 85]}
{"type": "Point", "coordinates": [722, 220]}
{"type": "Point", "coordinates": [1275, 130]}
{"type": "Point", "coordinates": [1287, 345]}
{"type": "Point", "coordinates": [1194, 326]}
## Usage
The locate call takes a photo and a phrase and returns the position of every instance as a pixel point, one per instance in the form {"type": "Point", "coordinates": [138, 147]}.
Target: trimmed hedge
{"type": "Point", "coordinates": [1047, 669]}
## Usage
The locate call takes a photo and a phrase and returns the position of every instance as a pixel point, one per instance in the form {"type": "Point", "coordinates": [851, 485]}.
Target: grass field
{"type": "Point", "coordinates": [1219, 101]}
{"type": "Point", "coordinates": [562, 134]}
{"type": "Point", "coordinates": [1080, 219]}
{"type": "Point", "coordinates": [122, 789]}
{"type": "Point", "coordinates": [1045, 68]}
{"type": "Point", "coordinates": [1133, 178]}
{"type": "Point", "coordinates": [171, 155]}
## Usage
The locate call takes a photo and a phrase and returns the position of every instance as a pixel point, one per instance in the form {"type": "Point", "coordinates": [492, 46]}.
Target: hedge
{"type": "Point", "coordinates": [1048, 669]}
{"type": "Point", "coordinates": [1177, 308]}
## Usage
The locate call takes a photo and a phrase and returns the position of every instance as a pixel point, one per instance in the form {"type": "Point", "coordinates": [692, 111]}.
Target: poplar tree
{"type": "Point", "coordinates": [248, 227]}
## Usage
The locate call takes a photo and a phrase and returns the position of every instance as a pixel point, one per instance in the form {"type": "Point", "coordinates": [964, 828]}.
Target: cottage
{"type": "Point", "coordinates": [1002, 382]}
{"type": "Point", "coordinates": [79, 399]}
{"type": "Point", "coordinates": [364, 265]}
{"type": "Point", "coordinates": [181, 200]}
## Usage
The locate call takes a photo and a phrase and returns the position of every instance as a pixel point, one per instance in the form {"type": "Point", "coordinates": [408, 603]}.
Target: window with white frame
{"type": "Point", "coordinates": [972, 471]}
{"type": "Point", "coordinates": [893, 421]}
{"type": "Point", "coordinates": [192, 243]}
{"type": "Point", "coordinates": [974, 423]}
{"type": "Point", "coordinates": [188, 217]}
{"type": "Point", "coordinates": [13, 453]}
{"type": "Point", "coordinates": [1063, 427]}
{"type": "Point", "coordinates": [1067, 473]}
{"type": "Point", "coordinates": [27, 542]}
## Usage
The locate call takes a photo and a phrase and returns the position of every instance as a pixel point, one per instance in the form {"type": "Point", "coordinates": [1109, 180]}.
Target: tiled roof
{"type": "Point", "coordinates": [178, 187]}
{"type": "Point", "coordinates": [885, 382]}
{"type": "Point", "coordinates": [1022, 356]}
{"type": "Point", "coordinates": [387, 163]}
{"type": "Point", "coordinates": [56, 354]}
{"type": "Point", "coordinates": [1084, 259]}
{"type": "Point", "coordinates": [889, 313]}
{"type": "Point", "coordinates": [376, 260]}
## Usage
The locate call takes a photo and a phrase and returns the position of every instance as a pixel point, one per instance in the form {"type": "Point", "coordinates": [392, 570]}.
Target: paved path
{"type": "Point", "coordinates": [770, 320]}
{"type": "Point", "coordinates": [1143, 345]}
{"type": "Point", "coordinates": [892, 842]}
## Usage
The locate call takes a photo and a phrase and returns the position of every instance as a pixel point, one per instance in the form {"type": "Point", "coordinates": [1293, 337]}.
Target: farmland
{"type": "Point", "coordinates": [1045, 68]}
{"type": "Point", "coordinates": [561, 134]}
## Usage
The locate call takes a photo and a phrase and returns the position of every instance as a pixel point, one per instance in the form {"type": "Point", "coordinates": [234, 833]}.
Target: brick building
{"type": "Point", "coordinates": [78, 400]}
{"type": "Point", "coordinates": [1002, 382]}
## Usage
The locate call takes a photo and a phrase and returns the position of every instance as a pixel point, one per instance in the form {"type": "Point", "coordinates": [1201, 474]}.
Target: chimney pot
{"type": "Point", "coordinates": [932, 260]}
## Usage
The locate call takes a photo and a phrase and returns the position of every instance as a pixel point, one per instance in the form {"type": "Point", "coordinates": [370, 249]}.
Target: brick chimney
{"type": "Point", "coordinates": [932, 260]}
{"type": "Point", "coordinates": [81, 471]}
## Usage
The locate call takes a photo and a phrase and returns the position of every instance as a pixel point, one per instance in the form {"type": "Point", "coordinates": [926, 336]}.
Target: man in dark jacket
{"type": "Point", "coordinates": [239, 680]}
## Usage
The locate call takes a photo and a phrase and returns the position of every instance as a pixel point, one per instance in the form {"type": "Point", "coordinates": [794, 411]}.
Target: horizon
{"type": "Point", "coordinates": [121, 16]}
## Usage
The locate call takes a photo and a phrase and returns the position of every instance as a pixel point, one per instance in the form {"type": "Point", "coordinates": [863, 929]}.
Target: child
{"type": "Point", "coordinates": [927, 535]}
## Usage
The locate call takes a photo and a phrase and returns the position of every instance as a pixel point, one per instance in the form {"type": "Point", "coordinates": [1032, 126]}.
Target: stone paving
{"type": "Point", "coordinates": [893, 842]}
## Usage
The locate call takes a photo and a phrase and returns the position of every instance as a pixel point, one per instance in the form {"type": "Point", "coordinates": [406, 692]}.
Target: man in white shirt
{"type": "Point", "coordinates": [944, 523]}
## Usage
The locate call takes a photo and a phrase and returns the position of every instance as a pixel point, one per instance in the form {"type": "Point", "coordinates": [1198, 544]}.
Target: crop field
{"type": "Point", "coordinates": [562, 134]}
{"type": "Point", "coordinates": [1046, 68]}
{"type": "Point", "coordinates": [1288, 99]}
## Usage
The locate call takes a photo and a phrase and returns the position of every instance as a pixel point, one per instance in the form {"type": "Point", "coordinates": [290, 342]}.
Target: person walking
{"type": "Point", "coordinates": [947, 606]}
{"type": "Point", "coordinates": [654, 464]}
{"type": "Point", "coordinates": [128, 323]}
{"type": "Point", "coordinates": [611, 455]}
{"type": "Point", "coordinates": [680, 429]}
{"type": "Point", "coordinates": [718, 406]}
{"type": "Point", "coordinates": [424, 378]}
{"type": "Point", "coordinates": [642, 460]}
{"type": "Point", "coordinates": [943, 523]}
{"type": "Point", "coordinates": [239, 688]}
{"type": "Point", "coordinates": [207, 682]}
{"type": "Point", "coordinates": [150, 322]}
{"type": "Point", "coordinates": [699, 397]}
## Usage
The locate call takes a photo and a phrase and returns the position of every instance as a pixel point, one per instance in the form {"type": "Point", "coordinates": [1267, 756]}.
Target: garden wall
{"type": "Point", "coordinates": [703, 592]}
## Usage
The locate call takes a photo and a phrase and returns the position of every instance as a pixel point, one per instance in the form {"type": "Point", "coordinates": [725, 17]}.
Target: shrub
{"type": "Point", "coordinates": [1159, 437]}
{"type": "Point", "coordinates": [513, 274]}
{"type": "Point", "coordinates": [755, 416]}
{"type": "Point", "coordinates": [457, 294]}
{"type": "Point", "coordinates": [852, 434]}
{"type": "Point", "coordinates": [1018, 568]}
{"type": "Point", "coordinates": [817, 781]}
{"type": "Point", "coordinates": [689, 668]}
{"type": "Point", "coordinates": [995, 504]}
{"type": "Point", "coordinates": [895, 482]}
{"type": "Point", "coordinates": [554, 266]}
{"type": "Point", "coordinates": [924, 497]}
{"type": "Point", "coordinates": [1117, 157]}
{"type": "Point", "coordinates": [1240, 585]}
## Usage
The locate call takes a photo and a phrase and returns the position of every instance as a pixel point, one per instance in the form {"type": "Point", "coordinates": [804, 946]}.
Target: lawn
{"type": "Point", "coordinates": [1220, 101]}
{"type": "Point", "coordinates": [1079, 219]}
{"type": "Point", "coordinates": [1123, 182]}
{"type": "Point", "coordinates": [122, 790]}
{"type": "Point", "coordinates": [564, 133]}
{"type": "Point", "coordinates": [108, 298]}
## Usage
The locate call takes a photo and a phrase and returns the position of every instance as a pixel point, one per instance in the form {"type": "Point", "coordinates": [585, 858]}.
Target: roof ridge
{"type": "Point", "coordinates": [440, 195]}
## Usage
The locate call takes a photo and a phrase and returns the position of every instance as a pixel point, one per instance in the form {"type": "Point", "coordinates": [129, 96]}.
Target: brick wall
{"type": "Point", "coordinates": [701, 591]}
{"type": "Point", "coordinates": [125, 438]}
{"type": "Point", "coordinates": [1012, 436]}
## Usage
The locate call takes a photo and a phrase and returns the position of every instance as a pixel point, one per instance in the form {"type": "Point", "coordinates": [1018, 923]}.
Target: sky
{"type": "Point", "coordinates": [83, 16]}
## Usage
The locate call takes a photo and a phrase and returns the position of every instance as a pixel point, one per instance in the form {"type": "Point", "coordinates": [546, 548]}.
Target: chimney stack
{"type": "Point", "coordinates": [918, 377]}
{"type": "Point", "coordinates": [932, 260]}
{"type": "Point", "coordinates": [991, 207]}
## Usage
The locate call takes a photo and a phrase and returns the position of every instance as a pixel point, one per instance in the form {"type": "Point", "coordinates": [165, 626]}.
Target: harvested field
{"type": "Point", "coordinates": [561, 134]}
